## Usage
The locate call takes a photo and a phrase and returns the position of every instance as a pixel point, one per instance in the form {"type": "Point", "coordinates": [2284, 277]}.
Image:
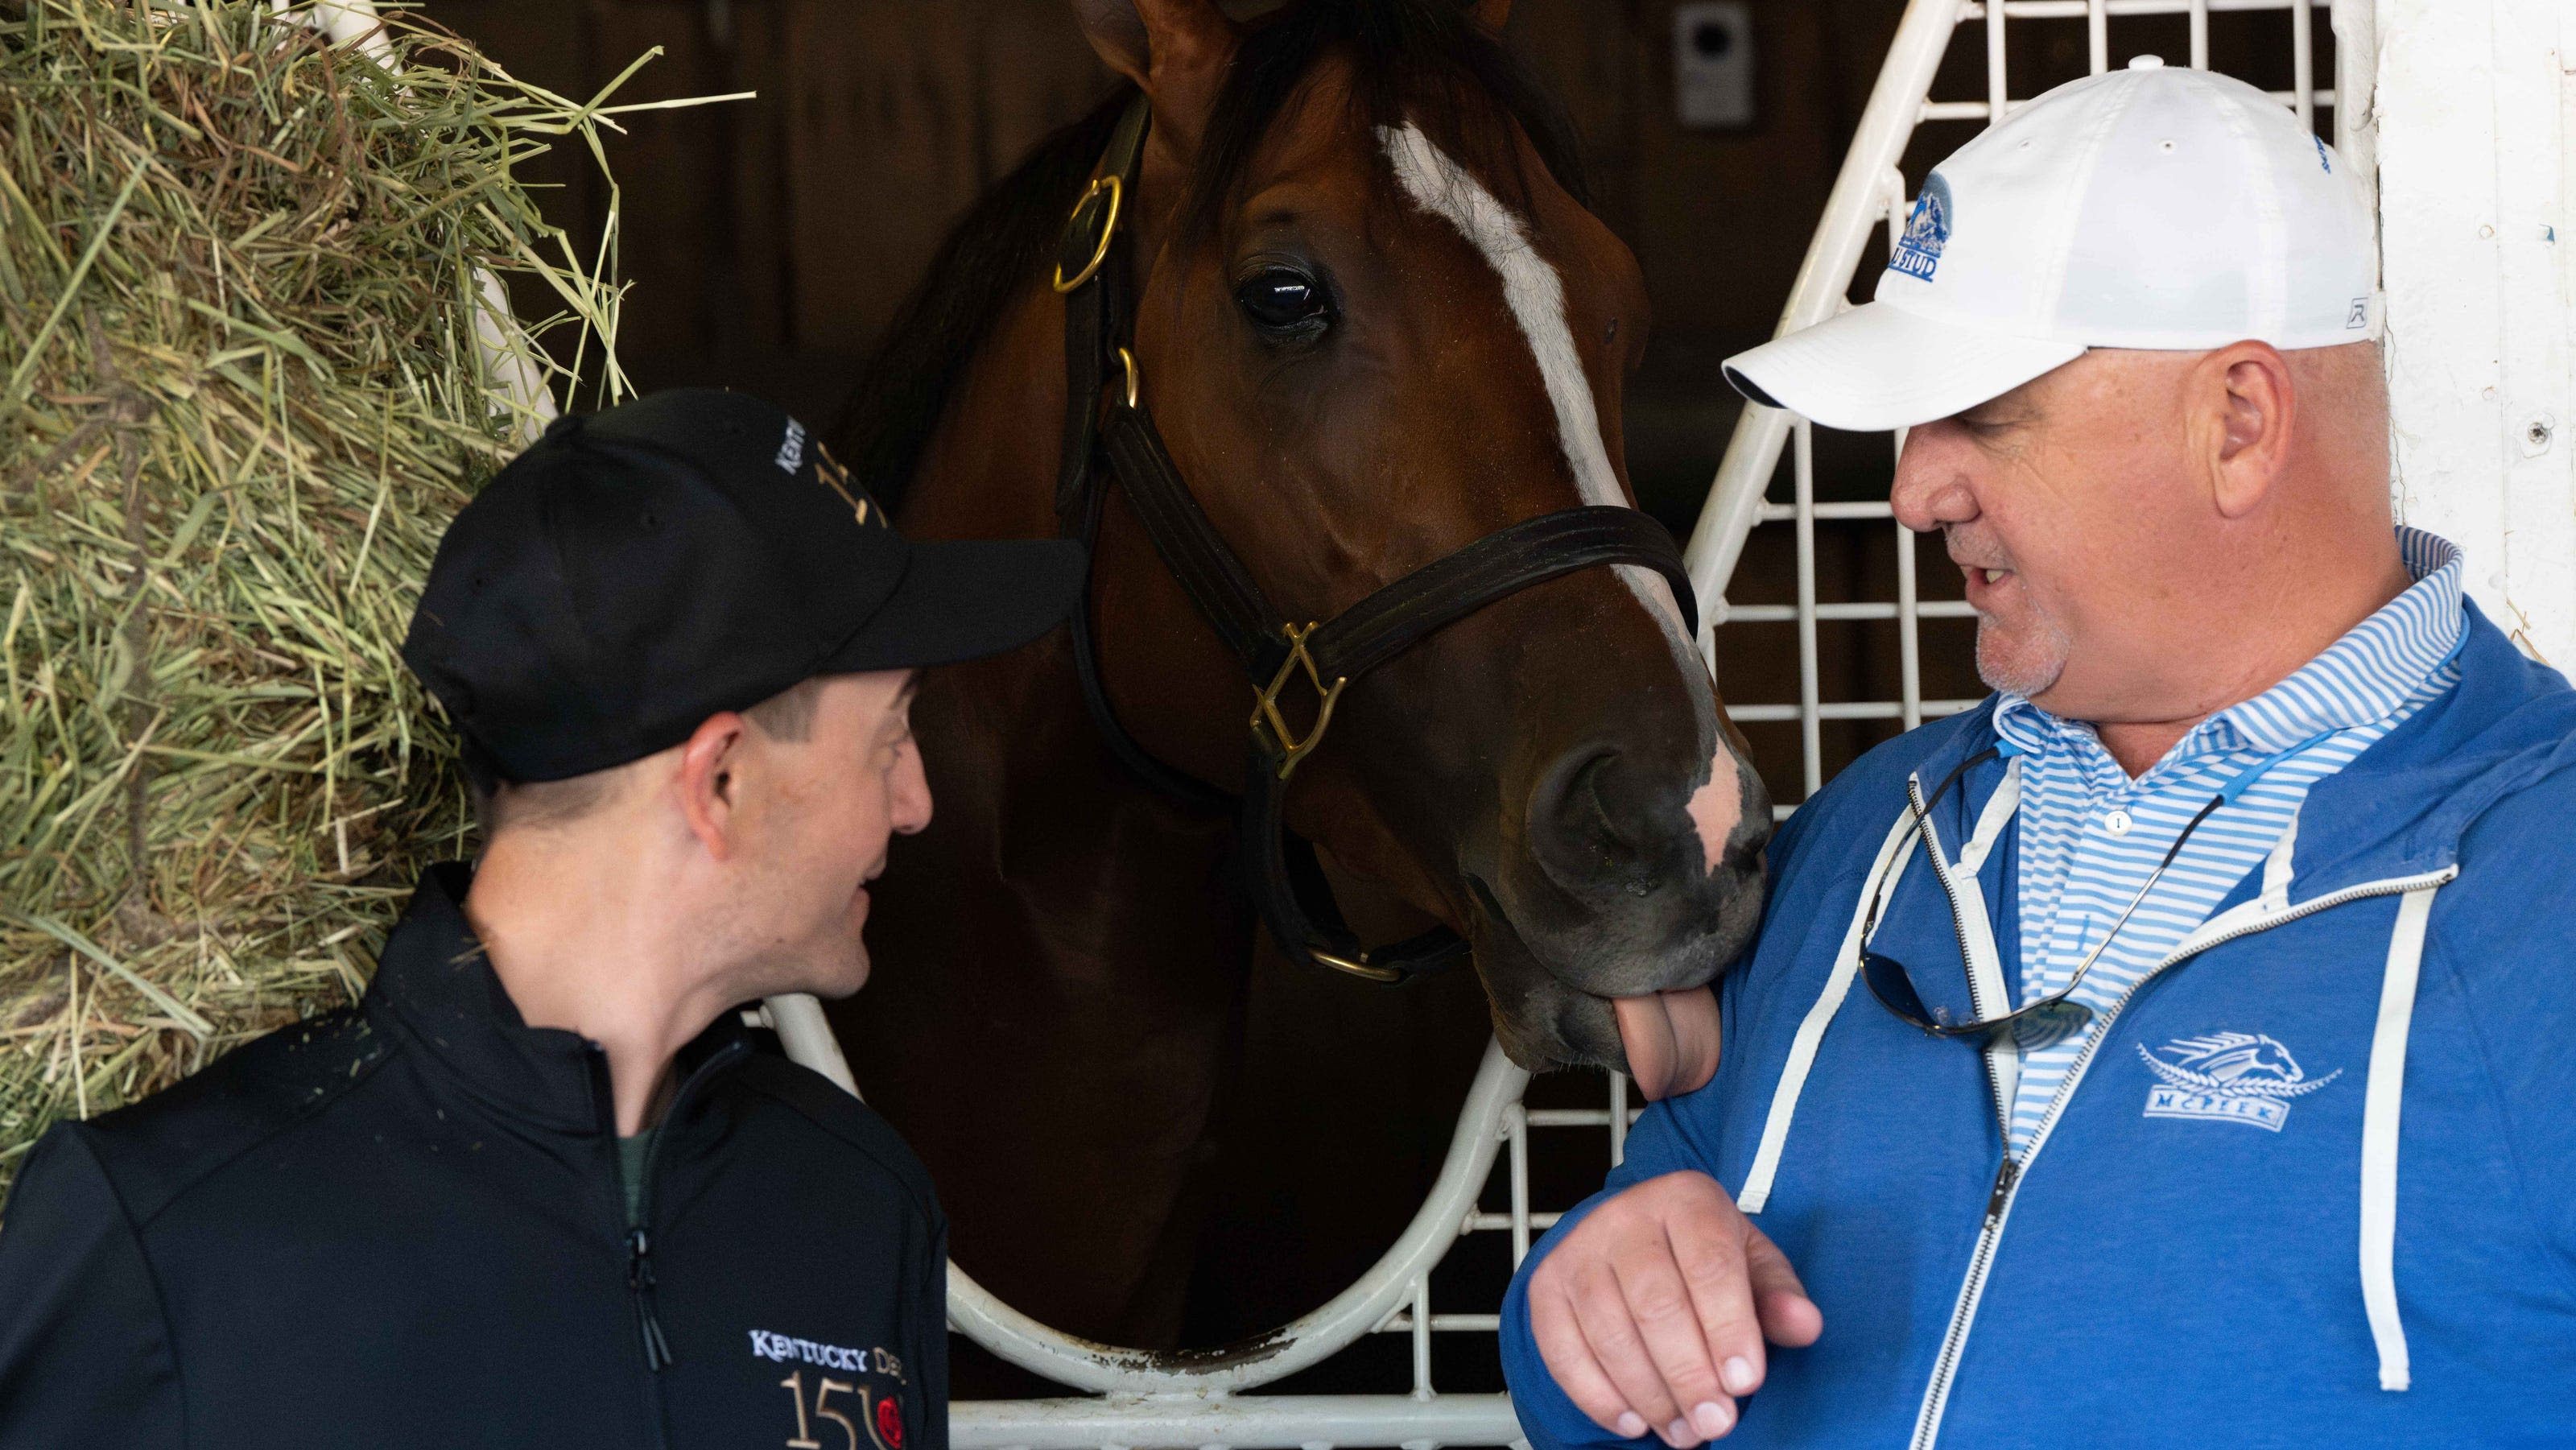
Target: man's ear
{"type": "Point", "coordinates": [710, 793]}
{"type": "Point", "coordinates": [2247, 442]}
{"type": "Point", "coordinates": [1490, 13]}
{"type": "Point", "coordinates": [1174, 50]}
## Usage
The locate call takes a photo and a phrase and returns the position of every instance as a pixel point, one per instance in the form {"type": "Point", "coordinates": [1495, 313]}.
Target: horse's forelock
{"type": "Point", "coordinates": [1426, 62]}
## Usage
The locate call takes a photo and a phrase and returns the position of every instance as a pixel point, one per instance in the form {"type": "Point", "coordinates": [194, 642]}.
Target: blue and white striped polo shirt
{"type": "Point", "coordinates": [2090, 835]}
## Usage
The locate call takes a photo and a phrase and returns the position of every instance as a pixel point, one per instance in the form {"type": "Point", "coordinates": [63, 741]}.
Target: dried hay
{"type": "Point", "coordinates": [242, 397]}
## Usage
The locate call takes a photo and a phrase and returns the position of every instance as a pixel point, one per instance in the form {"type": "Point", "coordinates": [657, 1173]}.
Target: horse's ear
{"type": "Point", "coordinates": [1490, 13]}
{"type": "Point", "coordinates": [1175, 50]}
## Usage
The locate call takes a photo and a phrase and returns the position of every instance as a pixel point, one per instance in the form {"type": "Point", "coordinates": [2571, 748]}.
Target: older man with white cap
{"type": "Point", "coordinates": [2212, 1074]}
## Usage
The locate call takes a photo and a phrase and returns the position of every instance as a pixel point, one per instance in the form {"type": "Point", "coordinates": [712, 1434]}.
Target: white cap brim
{"type": "Point", "coordinates": [1879, 367]}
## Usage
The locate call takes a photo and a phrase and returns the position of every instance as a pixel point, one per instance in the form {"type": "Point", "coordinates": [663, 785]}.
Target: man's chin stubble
{"type": "Point", "coordinates": [2028, 680]}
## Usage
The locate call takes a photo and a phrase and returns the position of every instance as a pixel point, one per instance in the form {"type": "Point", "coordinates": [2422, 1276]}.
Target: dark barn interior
{"type": "Point", "coordinates": [769, 242]}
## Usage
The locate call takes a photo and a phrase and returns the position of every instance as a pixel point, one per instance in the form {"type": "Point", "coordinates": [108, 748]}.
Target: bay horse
{"type": "Point", "coordinates": [1376, 323]}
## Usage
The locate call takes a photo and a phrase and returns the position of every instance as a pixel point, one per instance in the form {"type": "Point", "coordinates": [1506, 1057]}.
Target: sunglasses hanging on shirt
{"type": "Point", "coordinates": [2058, 1013]}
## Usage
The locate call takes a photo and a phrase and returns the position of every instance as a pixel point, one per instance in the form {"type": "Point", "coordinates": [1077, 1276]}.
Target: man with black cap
{"type": "Point", "coordinates": [543, 1186]}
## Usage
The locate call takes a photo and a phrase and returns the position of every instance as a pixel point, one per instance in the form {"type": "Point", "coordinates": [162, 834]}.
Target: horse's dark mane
{"type": "Point", "coordinates": [985, 263]}
{"type": "Point", "coordinates": [1423, 60]}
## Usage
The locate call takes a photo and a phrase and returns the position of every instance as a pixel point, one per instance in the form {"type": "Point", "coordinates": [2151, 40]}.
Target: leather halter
{"type": "Point", "coordinates": [1286, 882]}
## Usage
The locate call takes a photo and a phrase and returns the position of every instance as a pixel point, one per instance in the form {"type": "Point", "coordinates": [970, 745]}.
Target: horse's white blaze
{"type": "Point", "coordinates": [1717, 808]}
{"type": "Point", "coordinates": [1536, 297]}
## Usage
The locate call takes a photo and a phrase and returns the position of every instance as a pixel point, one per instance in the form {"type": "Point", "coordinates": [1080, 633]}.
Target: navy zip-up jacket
{"type": "Point", "coordinates": [403, 1225]}
{"type": "Point", "coordinates": [2367, 1237]}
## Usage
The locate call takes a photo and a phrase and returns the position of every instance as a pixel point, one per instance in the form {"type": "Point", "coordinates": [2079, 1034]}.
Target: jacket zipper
{"type": "Point", "coordinates": [639, 1285]}
{"type": "Point", "coordinates": [639, 1242]}
{"type": "Point", "coordinates": [2008, 1177]}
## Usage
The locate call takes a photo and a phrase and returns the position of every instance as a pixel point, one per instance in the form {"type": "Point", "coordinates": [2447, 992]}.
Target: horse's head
{"type": "Point", "coordinates": [1374, 325]}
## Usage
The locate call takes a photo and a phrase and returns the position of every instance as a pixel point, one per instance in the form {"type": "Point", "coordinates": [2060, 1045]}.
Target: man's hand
{"type": "Point", "coordinates": [1652, 1313]}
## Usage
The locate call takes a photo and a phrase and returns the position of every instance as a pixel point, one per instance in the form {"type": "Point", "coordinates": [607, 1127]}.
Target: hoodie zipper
{"type": "Point", "coordinates": [2008, 1177]}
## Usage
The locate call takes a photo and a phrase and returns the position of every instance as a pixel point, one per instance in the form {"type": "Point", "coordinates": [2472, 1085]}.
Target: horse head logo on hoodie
{"type": "Point", "coordinates": [2239, 1077]}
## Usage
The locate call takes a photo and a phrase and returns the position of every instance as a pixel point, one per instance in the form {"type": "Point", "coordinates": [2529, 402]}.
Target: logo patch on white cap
{"type": "Point", "coordinates": [1927, 230]}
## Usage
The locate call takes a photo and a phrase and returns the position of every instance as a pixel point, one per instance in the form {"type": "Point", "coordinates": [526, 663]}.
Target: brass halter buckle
{"type": "Point", "coordinates": [1108, 228]}
{"type": "Point", "coordinates": [1387, 976]}
{"type": "Point", "coordinates": [1265, 708]}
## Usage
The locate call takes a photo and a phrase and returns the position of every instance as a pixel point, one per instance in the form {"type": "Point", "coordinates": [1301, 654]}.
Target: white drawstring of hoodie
{"type": "Point", "coordinates": [2382, 1096]}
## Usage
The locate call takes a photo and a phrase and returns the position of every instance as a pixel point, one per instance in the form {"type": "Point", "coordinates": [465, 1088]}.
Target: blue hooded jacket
{"type": "Point", "coordinates": [2314, 1186]}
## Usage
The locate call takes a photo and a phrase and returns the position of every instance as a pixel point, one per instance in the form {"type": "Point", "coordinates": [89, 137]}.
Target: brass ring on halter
{"type": "Point", "coordinates": [1108, 229]}
{"type": "Point", "coordinates": [1129, 359]}
{"type": "Point", "coordinates": [1387, 975]}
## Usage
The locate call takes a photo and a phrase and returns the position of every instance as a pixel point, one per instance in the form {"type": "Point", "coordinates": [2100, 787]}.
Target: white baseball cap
{"type": "Point", "coordinates": [2147, 208]}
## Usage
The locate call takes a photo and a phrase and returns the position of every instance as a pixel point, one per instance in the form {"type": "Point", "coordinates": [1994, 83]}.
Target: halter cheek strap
{"type": "Point", "coordinates": [1284, 660]}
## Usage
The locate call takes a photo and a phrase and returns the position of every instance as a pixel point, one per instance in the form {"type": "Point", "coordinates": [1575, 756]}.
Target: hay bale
{"type": "Point", "coordinates": [242, 397]}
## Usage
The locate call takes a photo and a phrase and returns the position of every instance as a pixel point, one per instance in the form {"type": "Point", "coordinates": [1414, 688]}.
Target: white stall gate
{"type": "Point", "coordinates": [2429, 91]}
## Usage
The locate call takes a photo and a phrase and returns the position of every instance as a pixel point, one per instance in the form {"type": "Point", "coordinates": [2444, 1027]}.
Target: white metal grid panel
{"type": "Point", "coordinates": [1134, 1399]}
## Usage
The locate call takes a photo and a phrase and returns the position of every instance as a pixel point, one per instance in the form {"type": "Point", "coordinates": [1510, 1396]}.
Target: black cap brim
{"type": "Point", "coordinates": [965, 599]}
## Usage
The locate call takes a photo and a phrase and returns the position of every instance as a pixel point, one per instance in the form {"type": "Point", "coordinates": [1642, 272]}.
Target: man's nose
{"type": "Point", "coordinates": [911, 795]}
{"type": "Point", "coordinates": [1932, 488]}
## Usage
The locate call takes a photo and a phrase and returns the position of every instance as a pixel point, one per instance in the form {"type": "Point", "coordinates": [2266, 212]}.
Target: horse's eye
{"type": "Point", "coordinates": [1281, 299]}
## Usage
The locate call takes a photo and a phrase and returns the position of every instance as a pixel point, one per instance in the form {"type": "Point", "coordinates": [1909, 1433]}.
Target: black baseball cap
{"type": "Point", "coordinates": [686, 553]}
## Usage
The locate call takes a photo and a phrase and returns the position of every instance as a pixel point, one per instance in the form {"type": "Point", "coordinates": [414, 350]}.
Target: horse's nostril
{"type": "Point", "coordinates": [1586, 821]}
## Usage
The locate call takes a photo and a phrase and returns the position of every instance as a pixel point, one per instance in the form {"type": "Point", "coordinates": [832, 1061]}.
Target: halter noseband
{"type": "Point", "coordinates": [1281, 873]}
